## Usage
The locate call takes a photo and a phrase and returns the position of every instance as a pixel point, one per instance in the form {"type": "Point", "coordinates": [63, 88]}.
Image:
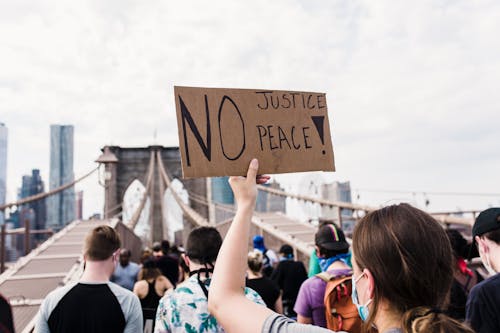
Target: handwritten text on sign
{"type": "Point", "coordinates": [221, 130]}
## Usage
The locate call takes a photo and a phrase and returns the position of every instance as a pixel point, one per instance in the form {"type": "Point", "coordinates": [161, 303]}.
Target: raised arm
{"type": "Point", "coordinates": [227, 301]}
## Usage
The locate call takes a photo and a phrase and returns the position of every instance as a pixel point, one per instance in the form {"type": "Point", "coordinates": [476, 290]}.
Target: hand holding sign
{"type": "Point", "coordinates": [221, 130]}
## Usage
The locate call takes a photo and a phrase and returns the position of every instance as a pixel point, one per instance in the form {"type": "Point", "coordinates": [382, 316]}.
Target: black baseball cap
{"type": "Point", "coordinates": [330, 237]}
{"type": "Point", "coordinates": [487, 220]}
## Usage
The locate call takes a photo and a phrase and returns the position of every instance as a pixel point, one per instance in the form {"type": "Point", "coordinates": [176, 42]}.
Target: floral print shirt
{"type": "Point", "coordinates": [185, 309]}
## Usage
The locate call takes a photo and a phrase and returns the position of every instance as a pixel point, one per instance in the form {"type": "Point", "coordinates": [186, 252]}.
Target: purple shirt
{"type": "Point", "coordinates": [310, 302]}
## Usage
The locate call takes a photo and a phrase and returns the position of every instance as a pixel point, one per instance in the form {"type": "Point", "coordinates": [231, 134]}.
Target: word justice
{"type": "Point", "coordinates": [290, 100]}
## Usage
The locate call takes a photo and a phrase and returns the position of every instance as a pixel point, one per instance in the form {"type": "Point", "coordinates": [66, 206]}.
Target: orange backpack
{"type": "Point", "coordinates": [341, 314]}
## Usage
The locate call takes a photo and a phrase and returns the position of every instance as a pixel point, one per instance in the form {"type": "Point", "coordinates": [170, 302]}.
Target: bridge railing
{"type": "Point", "coordinates": [360, 210]}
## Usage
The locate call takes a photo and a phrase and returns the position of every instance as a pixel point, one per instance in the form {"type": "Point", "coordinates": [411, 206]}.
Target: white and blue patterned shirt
{"type": "Point", "coordinates": [185, 309]}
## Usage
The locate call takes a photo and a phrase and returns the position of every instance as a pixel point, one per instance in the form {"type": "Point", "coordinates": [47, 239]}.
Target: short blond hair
{"type": "Point", "coordinates": [255, 261]}
{"type": "Point", "coordinates": [101, 243]}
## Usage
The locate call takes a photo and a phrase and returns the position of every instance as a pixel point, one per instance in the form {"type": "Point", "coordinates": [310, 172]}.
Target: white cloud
{"type": "Point", "coordinates": [411, 86]}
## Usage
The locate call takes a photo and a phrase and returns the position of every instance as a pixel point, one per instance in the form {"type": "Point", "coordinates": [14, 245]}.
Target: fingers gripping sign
{"type": "Point", "coordinates": [245, 188]}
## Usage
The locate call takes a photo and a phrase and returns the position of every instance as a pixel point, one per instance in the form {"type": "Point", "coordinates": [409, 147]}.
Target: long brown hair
{"type": "Point", "coordinates": [149, 270]}
{"type": "Point", "coordinates": [410, 258]}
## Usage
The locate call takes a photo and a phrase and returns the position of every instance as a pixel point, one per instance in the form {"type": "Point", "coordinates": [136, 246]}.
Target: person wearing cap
{"type": "Point", "coordinates": [270, 257]}
{"type": "Point", "coordinates": [483, 302]}
{"type": "Point", "coordinates": [332, 250]}
{"type": "Point", "coordinates": [289, 275]}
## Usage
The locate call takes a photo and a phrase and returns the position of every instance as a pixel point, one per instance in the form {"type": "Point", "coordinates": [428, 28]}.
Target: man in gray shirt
{"type": "Point", "coordinates": [94, 304]}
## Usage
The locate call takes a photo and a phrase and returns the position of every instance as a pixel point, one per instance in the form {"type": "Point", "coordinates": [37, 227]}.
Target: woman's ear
{"type": "Point", "coordinates": [370, 290]}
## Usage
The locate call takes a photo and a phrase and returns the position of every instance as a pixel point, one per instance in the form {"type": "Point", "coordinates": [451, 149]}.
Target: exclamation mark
{"type": "Point", "coordinates": [319, 122]}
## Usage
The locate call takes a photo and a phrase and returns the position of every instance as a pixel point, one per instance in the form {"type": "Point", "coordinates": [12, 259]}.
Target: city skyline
{"type": "Point", "coordinates": [410, 86]}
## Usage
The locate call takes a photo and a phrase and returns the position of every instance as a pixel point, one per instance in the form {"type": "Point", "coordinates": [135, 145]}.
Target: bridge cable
{"type": "Point", "coordinates": [44, 195]}
{"type": "Point", "coordinates": [443, 218]}
{"type": "Point", "coordinates": [189, 213]}
{"type": "Point", "coordinates": [137, 213]}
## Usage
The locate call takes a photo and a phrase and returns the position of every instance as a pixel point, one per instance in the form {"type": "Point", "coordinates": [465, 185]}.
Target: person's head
{"type": "Point", "coordinates": [486, 233]}
{"type": "Point", "coordinates": [286, 251]}
{"type": "Point", "coordinates": [203, 245]}
{"type": "Point", "coordinates": [157, 251]}
{"type": "Point", "coordinates": [402, 263]}
{"type": "Point", "coordinates": [330, 241]}
{"type": "Point", "coordinates": [149, 270]}
{"type": "Point", "coordinates": [165, 246]}
{"type": "Point", "coordinates": [125, 255]}
{"type": "Point", "coordinates": [258, 243]}
{"type": "Point", "coordinates": [255, 259]}
{"type": "Point", "coordinates": [146, 254]}
{"type": "Point", "coordinates": [101, 243]}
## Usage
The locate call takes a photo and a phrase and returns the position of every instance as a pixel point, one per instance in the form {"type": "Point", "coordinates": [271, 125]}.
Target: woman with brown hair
{"type": "Point", "coordinates": [150, 288]}
{"type": "Point", "coordinates": [402, 272]}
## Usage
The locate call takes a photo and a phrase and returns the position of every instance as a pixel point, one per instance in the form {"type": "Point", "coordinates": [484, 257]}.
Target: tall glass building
{"type": "Point", "coordinates": [61, 206]}
{"type": "Point", "coordinates": [32, 185]}
{"type": "Point", "coordinates": [3, 167]}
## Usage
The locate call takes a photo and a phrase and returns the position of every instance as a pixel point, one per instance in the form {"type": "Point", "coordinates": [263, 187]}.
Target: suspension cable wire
{"type": "Point", "coordinates": [137, 213]}
{"type": "Point", "coordinates": [322, 202]}
{"type": "Point", "coordinates": [44, 195]}
{"type": "Point", "coordinates": [189, 212]}
{"type": "Point", "coordinates": [117, 215]}
{"type": "Point", "coordinates": [443, 218]}
{"type": "Point", "coordinates": [217, 205]}
{"type": "Point", "coordinates": [472, 194]}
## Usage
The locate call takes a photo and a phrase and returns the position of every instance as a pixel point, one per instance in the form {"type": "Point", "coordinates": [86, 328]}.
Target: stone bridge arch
{"type": "Point", "coordinates": [122, 165]}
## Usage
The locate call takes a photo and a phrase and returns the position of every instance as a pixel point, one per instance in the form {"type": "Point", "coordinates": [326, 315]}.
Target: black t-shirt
{"type": "Point", "coordinates": [483, 306]}
{"type": "Point", "coordinates": [266, 288]}
{"type": "Point", "coordinates": [90, 307]}
{"type": "Point", "coordinates": [289, 276]}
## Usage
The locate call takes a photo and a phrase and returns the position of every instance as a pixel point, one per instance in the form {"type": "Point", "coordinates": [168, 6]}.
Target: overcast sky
{"type": "Point", "coordinates": [412, 86]}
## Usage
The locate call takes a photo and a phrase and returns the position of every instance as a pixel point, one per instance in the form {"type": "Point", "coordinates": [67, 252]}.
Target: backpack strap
{"type": "Point", "coordinates": [325, 276]}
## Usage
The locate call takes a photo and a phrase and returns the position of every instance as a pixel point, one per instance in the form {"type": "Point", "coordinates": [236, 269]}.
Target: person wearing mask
{"type": "Point", "coordinates": [289, 275]}
{"type": "Point", "coordinates": [402, 263]}
{"type": "Point", "coordinates": [332, 250]}
{"type": "Point", "coordinates": [264, 286]}
{"type": "Point", "coordinates": [125, 274]}
{"type": "Point", "coordinates": [483, 302]}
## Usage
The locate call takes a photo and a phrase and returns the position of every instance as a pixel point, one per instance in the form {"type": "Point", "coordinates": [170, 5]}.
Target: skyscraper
{"type": "Point", "coordinates": [32, 185]}
{"type": "Point", "coordinates": [61, 206]}
{"type": "Point", "coordinates": [3, 166]}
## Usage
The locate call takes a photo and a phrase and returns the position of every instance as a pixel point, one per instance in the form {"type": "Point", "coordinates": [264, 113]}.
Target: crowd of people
{"type": "Point", "coordinates": [402, 273]}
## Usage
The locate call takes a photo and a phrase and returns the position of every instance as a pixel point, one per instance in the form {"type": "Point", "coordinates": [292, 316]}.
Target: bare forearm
{"type": "Point", "coordinates": [229, 275]}
{"type": "Point", "coordinates": [227, 301]}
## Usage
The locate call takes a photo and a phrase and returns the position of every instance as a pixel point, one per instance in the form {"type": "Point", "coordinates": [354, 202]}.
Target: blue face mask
{"type": "Point", "coordinates": [324, 263]}
{"type": "Point", "coordinates": [362, 309]}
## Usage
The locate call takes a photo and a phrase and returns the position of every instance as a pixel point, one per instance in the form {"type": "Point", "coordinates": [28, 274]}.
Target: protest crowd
{"type": "Point", "coordinates": [403, 272]}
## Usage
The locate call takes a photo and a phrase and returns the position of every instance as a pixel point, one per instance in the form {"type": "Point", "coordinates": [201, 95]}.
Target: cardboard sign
{"type": "Point", "coordinates": [221, 130]}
